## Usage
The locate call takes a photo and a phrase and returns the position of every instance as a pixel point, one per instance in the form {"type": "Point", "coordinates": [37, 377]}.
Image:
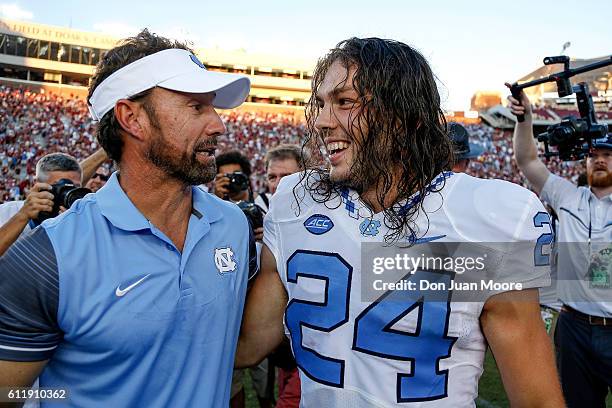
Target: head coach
{"type": "Point", "coordinates": [134, 296]}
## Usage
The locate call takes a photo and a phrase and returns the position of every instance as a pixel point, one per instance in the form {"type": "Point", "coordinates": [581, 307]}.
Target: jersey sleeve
{"type": "Point", "coordinates": [556, 189]}
{"type": "Point", "coordinates": [29, 297]}
{"type": "Point", "coordinates": [511, 225]}
{"type": "Point", "coordinates": [270, 236]}
{"type": "Point", "coordinates": [526, 257]}
{"type": "Point", "coordinates": [290, 202]}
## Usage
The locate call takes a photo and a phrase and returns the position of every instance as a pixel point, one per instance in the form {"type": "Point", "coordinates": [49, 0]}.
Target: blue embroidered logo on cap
{"type": "Point", "coordinates": [318, 224]}
{"type": "Point", "coordinates": [196, 61]}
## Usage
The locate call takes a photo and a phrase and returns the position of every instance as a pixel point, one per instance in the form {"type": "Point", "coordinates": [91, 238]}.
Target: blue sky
{"type": "Point", "coordinates": [472, 45]}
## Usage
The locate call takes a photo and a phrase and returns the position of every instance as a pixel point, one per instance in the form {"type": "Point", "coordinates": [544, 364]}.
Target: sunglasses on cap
{"type": "Point", "coordinates": [102, 177]}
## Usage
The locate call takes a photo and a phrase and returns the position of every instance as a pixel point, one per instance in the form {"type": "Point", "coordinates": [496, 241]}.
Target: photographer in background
{"type": "Point", "coordinates": [280, 161]}
{"type": "Point", "coordinates": [18, 217]}
{"type": "Point", "coordinates": [583, 335]}
{"type": "Point", "coordinates": [233, 183]}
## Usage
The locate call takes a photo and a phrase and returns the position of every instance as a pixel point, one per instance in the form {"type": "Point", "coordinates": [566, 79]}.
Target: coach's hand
{"type": "Point", "coordinates": [522, 107]}
{"type": "Point", "coordinates": [39, 199]}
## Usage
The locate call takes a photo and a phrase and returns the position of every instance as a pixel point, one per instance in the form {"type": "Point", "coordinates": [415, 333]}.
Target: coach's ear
{"type": "Point", "coordinates": [129, 115]}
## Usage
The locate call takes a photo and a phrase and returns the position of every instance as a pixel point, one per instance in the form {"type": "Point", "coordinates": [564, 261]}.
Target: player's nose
{"type": "Point", "coordinates": [325, 119]}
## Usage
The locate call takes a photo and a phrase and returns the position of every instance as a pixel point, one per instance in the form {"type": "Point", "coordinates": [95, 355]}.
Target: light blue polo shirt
{"type": "Point", "coordinates": [124, 318]}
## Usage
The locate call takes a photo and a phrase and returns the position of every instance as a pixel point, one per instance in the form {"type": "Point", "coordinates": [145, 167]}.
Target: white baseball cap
{"type": "Point", "coordinates": [174, 69]}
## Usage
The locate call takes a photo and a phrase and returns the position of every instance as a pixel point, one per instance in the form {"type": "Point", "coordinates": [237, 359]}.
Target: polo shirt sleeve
{"type": "Point", "coordinates": [29, 295]}
{"type": "Point", "coordinates": [556, 189]}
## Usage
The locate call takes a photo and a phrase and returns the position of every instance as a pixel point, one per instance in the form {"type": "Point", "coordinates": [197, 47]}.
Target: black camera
{"type": "Point", "coordinates": [238, 181]}
{"type": "Point", "coordinates": [65, 193]}
{"type": "Point", "coordinates": [253, 213]}
{"type": "Point", "coordinates": [573, 137]}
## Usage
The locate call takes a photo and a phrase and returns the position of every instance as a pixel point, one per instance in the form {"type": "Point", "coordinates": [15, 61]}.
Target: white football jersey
{"type": "Point", "coordinates": [352, 353]}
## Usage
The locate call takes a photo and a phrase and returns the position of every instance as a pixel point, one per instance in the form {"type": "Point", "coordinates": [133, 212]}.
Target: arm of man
{"type": "Point", "coordinates": [90, 164]}
{"type": "Point", "coordinates": [39, 199]}
{"type": "Point", "coordinates": [11, 230]}
{"type": "Point", "coordinates": [513, 327]}
{"type": "Point", "coordinates": [29, 298]}
{"type": "Point", "coordinates": [262, 322]}
{"type": "Point", "coordinates": [525, 149]}
{"type": "Point", "coordinates": [20, 373]}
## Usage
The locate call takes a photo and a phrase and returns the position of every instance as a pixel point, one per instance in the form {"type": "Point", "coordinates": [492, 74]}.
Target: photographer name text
{"type": "Point", "coordinates": [409, 285]}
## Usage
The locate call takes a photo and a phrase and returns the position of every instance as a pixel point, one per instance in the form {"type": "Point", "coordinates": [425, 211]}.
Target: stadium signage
{"type": "Point", "coordinates": [49, 33]}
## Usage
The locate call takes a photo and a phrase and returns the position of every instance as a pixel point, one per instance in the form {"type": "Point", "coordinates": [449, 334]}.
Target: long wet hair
{"type": "Point", "coordinates": [406, 144]}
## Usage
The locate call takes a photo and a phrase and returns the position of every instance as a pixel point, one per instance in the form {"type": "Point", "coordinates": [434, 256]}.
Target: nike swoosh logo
{"type": "Point", "coordinates": [121, 292]}
{"type": "Point", "coordinates": [428, 239]}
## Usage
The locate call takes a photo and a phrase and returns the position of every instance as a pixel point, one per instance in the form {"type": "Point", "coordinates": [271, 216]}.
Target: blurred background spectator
{"type": "Point", "coordinates": [99, 179]}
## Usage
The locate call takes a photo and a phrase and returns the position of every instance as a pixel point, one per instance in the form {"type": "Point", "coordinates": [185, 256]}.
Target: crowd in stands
{"type": "Point", "coordinates": [497, 161]}
{"type": "Point", "coordinates": [555, 113]}
{"type": "Point", "coordinates": [543, 114]}
{"type": "Point", "coordinates": [33, 124]}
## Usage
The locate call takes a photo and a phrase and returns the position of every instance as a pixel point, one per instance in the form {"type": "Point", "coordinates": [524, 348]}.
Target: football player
{"type": "Point", "coordinates": [376, 110]}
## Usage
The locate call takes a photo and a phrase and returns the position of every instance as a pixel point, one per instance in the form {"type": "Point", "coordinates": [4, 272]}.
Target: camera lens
{"type": "Point", "coordinates": [560, 134]}
{"type": "Point", "coordinates": [238, 182]}
{"type": "Point", "coordinates": [75, 194]}
{"type": "Point", "coordinates": [253, 213]}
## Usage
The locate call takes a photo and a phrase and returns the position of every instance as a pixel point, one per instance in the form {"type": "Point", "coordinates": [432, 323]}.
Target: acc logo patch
{"type": "Point", "coordinates": [197, 61]}
{"type": "Point", "coordinates": [318, 224]}
{"type": "Point", "coordinates": [224, 260]}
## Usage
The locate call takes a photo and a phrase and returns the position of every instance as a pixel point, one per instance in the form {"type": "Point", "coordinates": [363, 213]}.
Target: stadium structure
{"type": "Point", "coordinates": [62, 60]}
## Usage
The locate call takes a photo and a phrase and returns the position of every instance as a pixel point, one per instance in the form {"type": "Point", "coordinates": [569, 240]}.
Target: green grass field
{"type": "Point", "coordinates": [491, 391]}
{"type": "Point", "coordinates": [251, 398]}
{"type": "Point", "coordinates": [492, 394]}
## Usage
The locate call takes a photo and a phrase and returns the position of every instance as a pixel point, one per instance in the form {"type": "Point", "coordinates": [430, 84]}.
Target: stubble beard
{"type": "Point", "coordinates": [182, 166]}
